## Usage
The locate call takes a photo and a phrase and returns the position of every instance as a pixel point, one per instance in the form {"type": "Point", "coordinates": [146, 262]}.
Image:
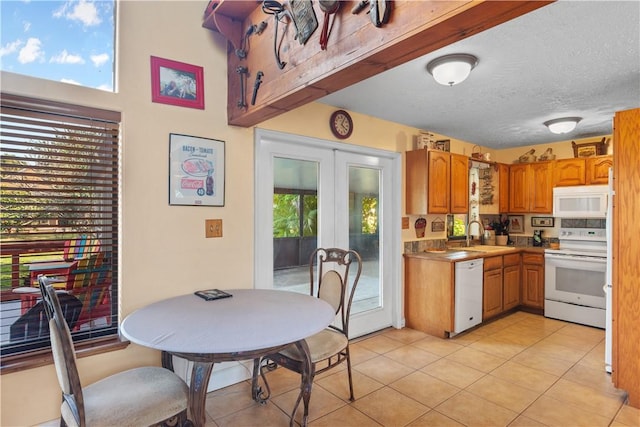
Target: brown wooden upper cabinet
{"type": "Point", "coordinates": [582, 171]}
{"type": "Point", "coordinates": [437, 182]}
{"type": "Point", "coordinates": [503, 187]}
{"type": "Point", "coordinates": [530, 187]}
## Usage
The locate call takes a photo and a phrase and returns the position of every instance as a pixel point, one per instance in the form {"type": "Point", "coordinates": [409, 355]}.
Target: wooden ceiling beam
{"type": "Point", "coordinates": [356, 50]}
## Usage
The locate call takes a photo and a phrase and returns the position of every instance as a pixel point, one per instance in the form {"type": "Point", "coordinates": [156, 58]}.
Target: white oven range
{"type": "Point", "coordinates": [575, 275]}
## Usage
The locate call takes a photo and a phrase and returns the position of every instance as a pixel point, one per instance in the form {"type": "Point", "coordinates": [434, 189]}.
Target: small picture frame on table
{"type": "Point", "coordinates": [539, 221]}
{"type": "Point", "coordinates": [177, 83]}
{"type": "Point", "coordinates": [516, 223]}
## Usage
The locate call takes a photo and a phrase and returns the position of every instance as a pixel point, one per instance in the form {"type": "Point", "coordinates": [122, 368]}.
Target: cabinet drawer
{"type": "Point", "coordinates": [492, 263]}
{"type": "Point", "coordinates": [528, 258]}
{"type": "Point", "coordinates": [513, 259]}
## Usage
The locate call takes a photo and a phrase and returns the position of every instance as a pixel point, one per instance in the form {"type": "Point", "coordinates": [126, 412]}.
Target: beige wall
{"type": "Point", "coordinates": [164, 252]}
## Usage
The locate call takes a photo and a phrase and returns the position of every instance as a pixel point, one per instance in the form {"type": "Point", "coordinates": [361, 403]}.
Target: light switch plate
{"type": "Point", "coordinates": [213, 228]}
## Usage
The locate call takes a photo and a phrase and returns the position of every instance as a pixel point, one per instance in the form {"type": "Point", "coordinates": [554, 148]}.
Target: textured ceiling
{"type": "Point", "coordinates": [570, 58]}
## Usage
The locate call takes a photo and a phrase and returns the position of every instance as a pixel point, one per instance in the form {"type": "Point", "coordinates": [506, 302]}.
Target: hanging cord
{"type": "Point", "coordinates": [272, 7]}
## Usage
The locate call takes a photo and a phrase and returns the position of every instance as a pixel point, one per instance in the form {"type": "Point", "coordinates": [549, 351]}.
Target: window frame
{"type": "Point", "coordinates": [96, 339]}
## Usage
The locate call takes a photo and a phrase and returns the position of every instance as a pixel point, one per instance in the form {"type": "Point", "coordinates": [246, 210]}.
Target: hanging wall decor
{"type": "Point", "coordinates": [177, 83]}
{"type": "Point", "coordinates": [437, 224]}
{"type": "Point", "coordinates": [196, 171]}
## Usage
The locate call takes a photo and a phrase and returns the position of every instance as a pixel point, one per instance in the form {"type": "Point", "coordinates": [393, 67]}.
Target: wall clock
{"type": "Point", "coordinates": [341, 124]}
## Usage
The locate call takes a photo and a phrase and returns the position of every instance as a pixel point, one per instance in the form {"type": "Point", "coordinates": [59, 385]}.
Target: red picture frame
{"type": "Point", "coordinates": [177, 83]}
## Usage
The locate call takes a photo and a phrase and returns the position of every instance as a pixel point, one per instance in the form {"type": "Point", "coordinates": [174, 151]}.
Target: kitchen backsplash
{"type": "Point", "coordinates": [422, 245]}
{"type": "Point", "coordinates": [583, 223]}
{"type": "Point", "coordinates": [515, 239]}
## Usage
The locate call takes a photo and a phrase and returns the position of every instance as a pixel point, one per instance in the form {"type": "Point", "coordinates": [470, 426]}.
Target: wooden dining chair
{"type": "Point", "coordinates": [330, 347]}
{"type": "Point", "coordinates": [140, 396]}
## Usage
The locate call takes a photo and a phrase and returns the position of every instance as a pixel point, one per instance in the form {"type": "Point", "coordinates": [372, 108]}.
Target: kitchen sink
{"type": "Point", "coordinates": [488, 248]}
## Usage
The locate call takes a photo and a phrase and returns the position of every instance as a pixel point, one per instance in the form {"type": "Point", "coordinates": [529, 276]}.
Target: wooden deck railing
{"type": "Point", "coordinates": [15, 250]}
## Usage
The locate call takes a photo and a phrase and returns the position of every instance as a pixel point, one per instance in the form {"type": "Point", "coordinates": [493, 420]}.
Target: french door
{"type": "Point", "coordinates": [313, 193]}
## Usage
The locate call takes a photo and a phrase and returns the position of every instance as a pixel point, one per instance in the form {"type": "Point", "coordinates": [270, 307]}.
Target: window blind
{"type": "Point", "coordinates": [59, 188]}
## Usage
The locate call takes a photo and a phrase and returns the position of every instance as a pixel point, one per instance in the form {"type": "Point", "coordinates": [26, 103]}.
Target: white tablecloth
{"type": "Point", "coordinates": [251, 319]}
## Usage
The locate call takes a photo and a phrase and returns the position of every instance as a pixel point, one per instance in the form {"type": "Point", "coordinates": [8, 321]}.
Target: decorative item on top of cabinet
{"type": "Point", "coordinates": [589, 149]}
{"type": "Point", "coordinates": [476, 152]}
{"type": "Point", "coordinates": [425, 139]}
{"type": "Point", "coordinates": [547, 155]}
{"type": "Point", "coordinates": [443, 145]}
{"type": "Point", "coordinates": [527, 157]}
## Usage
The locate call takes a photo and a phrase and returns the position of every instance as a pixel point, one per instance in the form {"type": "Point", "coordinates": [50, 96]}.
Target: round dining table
{"type": "Point", "coordinates": [250, 324]}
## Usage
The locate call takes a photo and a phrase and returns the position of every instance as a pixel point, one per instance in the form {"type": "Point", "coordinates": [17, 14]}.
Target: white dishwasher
{"type": "Point", "coordinates": [468, 294]}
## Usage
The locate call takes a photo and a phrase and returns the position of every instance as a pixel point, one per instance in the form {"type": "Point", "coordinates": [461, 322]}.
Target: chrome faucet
{"type": "Point", "coordinates": [469, 230]}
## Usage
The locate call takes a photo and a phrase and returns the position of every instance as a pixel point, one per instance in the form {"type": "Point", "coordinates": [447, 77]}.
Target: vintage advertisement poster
{"type": "Point", "coordinates": [196, 171]}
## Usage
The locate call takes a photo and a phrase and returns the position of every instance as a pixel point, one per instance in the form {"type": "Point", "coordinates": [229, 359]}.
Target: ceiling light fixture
{"type": "Point", "coordinates": [563, 125]}
{"type": "Point", "coordinates": [452, 69]}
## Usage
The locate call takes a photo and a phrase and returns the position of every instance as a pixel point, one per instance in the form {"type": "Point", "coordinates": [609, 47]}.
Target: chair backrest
{"type": "Point", "coordinates": [64, 356]}
{"type": "Point", "coordinates": [80, 248]}
{"type": "Point", "coordinates": [332, 280]}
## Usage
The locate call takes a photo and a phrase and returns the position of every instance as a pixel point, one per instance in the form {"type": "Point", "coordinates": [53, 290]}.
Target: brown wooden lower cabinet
{"type": "Point", "coordinates": [429, 301]}
{"type": "Point", "coordinates": [492, 287]}
{"type": "Point", "coordinates": [428, 295]}
{"type": "Point", "coordinates": [511, 282]}
{"type": "Point", "coordinates": [501, 286]}
{"type": "Point", "coordinates": [533, 280]}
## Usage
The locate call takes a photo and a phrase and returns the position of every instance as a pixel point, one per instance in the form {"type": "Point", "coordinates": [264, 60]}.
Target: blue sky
{"type": "Point", "coordinates": [67, 41]}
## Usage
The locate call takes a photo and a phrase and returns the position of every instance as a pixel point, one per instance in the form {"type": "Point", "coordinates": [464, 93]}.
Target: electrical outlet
{"type": "Point", "coordinates": [213, 228]}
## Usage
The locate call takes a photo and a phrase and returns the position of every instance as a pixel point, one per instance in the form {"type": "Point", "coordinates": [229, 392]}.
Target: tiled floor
{"type": "Point", "coordinates": [521, 370]}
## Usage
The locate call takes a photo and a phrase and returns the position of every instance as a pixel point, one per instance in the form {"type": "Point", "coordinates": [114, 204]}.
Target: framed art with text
{"type": "Point", "coordinates": [542, 221]}
{"type": "Point", "coordinates": [177, 83]}
{"type": "Point", "coordinates": [196, 171]}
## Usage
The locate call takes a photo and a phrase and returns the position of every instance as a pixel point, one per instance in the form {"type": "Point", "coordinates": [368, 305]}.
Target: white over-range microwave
{"type": "Point", "coordinates": [585, 201]}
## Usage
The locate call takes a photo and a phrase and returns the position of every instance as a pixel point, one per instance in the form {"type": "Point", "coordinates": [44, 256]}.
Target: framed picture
{"type": "Point", "coordinates": [443, 145]}
{"type": "Point", "coordinates": [177, 83]}
{"type": "Point", "coordinates": [196, 171]}
{"type": "Point", "coordinates": [546, 221]}
{"type": "Point", "coordinates": [516, 223]}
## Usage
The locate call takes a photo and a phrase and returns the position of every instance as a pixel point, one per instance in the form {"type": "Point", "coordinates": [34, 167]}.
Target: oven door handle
{"type": "Point", "coordinates": [576, 258]}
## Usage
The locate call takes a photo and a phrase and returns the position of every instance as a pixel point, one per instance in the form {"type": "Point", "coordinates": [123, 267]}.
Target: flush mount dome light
{"type": "Point", "coordinates": [452, 69]}
{"type": "Point", "coordinates": [563, 125]}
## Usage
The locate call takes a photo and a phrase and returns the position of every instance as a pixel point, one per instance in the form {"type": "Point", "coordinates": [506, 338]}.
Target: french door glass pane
{"type": "Point", "coordinates": [364, 235]}
{"type": "Point", "coordinates": [295, 215]}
